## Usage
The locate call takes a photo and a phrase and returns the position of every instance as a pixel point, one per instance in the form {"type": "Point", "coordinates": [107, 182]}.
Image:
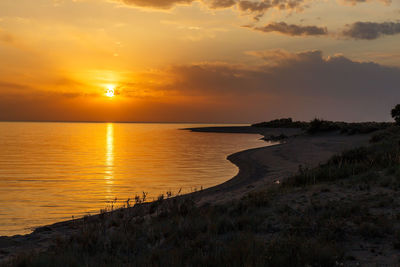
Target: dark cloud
{"type": "Point", "coordinates": [220, 3]}
{"type": "Point", "coordinates": [357, 30]}
{"type": "Point", "coordinates": [6, 37]}
{"type": "Point", "coordinates": [13, 86]}
{"type": "Point", "coordinates": [257, 8]}
{"type": "Point", "coordinates": [355, 2]}
{"type": "Point", "coordinates": [264, 5]}
{"type": "Point", "coordinates": [251, 6]}
{"type": "Point", "coordinates": [292, 29]}
{"type": "Point", "coordinates": [19, 89]}
{"type": "Point", "coordinates": [162, 4]}
{"type": "Point", "coordinates": [303, 84]}
{"type": "Point", "coordinates": [371, 30]}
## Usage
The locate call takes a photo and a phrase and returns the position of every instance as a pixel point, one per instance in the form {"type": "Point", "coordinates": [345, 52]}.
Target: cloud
{"type": "Point", "coordinates": [256, 8]}
{"type": "Point", "coordinates": [6, 37]}
{"type": "Point", "coordinates": [357, 30]}
{"type": "Point", "coordinates": [280, 58]}
{"type": "Point", "coordinates": [259, 8]}
{"type": "Point", "coordinates": [355, 2]}
{"type": "Point", "coordinates": [21, 89]}
{"type": "Point", "coordinates": [251, 6]}
{"type": "Point", "coordinates": [161, 4]}
{"type": "Point", "coordinates": [304, 85]}
{"type": "Point", "coordinates": [214, 4]}
{"type": "Point", "coordinates": [371, 30]}
{"type": "Point", "coordinates": [262, 6]}
{"type": "Point", "coordinates": [292, 29]}
{"type": "Point", "coordinates": [4, 85]}
{"type": "Point", "coordinates": [167, 4]}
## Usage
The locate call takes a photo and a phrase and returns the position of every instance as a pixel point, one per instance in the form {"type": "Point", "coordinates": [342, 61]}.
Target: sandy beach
{"type": "Point", "coordinates": [258, 168]}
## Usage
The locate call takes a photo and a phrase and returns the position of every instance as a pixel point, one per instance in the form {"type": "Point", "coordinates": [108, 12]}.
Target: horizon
{"type": "Point", "coordinates": [144, 122]}
{"type": "Point", "coordinates": [183, 122]}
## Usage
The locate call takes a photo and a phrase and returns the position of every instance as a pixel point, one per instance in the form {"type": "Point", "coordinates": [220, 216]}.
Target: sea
{"type": "Point", "coordinates": [55, 171]}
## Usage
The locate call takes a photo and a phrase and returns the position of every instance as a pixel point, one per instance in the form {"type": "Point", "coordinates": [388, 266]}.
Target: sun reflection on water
{"type": "Point", "coordinates": [109, 154]}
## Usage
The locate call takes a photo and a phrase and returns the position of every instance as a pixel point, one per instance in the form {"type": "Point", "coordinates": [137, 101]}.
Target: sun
{"type": "Point", "coordinates": [110, 91]}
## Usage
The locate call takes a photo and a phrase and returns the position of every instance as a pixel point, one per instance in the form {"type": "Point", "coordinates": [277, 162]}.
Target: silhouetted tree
{"type": "Point", "coordinates": [396, 113]}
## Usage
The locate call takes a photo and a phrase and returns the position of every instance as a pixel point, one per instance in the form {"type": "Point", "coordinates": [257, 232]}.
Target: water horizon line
{"type": "Point", "coordinates": [133, 122]}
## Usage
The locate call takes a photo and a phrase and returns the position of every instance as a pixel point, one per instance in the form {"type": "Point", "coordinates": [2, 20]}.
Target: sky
{"type": "Point", "coordinates": [215, 61]}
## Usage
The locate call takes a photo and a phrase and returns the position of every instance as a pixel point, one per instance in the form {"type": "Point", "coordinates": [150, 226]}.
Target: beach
{"type": "Point", "coordinates": [261, 167]}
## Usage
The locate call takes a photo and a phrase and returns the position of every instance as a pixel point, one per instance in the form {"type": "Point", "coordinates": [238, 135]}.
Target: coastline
{"type": "Point", "coordinates": [258, 167]}
{"type": "Point", "coordinates": [261, 167]}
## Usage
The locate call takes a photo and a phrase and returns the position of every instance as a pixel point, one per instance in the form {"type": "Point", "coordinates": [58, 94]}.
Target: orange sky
{"type": "Point", "coordinates": [198, 61]}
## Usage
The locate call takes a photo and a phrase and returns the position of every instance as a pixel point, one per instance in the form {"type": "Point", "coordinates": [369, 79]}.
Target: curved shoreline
{"type": "Point", "coordinates": [265, 165]}
{"type": "Point", "coordinates": [248, 173]}
{"type": "Point", "coordinates": [258, 167]}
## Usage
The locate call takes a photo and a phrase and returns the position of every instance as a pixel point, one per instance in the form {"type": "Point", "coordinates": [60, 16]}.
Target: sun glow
{"type": "Point", "coordinates": [110, 91]}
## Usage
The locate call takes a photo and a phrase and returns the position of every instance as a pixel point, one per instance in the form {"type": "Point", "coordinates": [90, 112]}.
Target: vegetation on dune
{"type": "Point", "coordinates": [282, 123]}
{"type": "Point", "coordinates": [275, 138]}
{"type": "Point", "coordinates": [384, 152]}
{"type": "Point", "coordinates": [320, 125]}
{"type": "Point", "coordinates": [396, 114]}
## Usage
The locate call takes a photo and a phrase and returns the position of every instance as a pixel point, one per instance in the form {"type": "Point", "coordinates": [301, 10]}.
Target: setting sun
{"type": "Point", "coordinates": [110, 91]}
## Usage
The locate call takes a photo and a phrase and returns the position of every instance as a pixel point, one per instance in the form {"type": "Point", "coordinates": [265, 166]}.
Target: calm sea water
{"type": "Point", "coordinates": [53, 171]}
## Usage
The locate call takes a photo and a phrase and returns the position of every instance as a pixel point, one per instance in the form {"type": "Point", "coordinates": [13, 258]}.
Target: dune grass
{"type": "Point", "coordinates": [319, 126]}
{"type": "Point", "coordinates": [383, 153]}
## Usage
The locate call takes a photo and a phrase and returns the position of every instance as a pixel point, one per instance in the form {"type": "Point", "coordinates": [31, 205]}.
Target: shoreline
{"type": "Point", "coordinates": [263, 166]}
{"type": "Point", "coordinates": [258, 167]}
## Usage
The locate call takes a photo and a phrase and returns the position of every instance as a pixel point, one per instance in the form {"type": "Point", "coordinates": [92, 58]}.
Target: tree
{"type": "Point", "coordinates": [396, 113]}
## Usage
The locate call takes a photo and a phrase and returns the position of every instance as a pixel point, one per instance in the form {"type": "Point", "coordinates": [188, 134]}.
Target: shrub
{"type": "Point", "coordinates": [318, 125]}
{"type": "Point", "coordinates": [396, 114]}
{"type": "Point", "coordinates": [281, 123]}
